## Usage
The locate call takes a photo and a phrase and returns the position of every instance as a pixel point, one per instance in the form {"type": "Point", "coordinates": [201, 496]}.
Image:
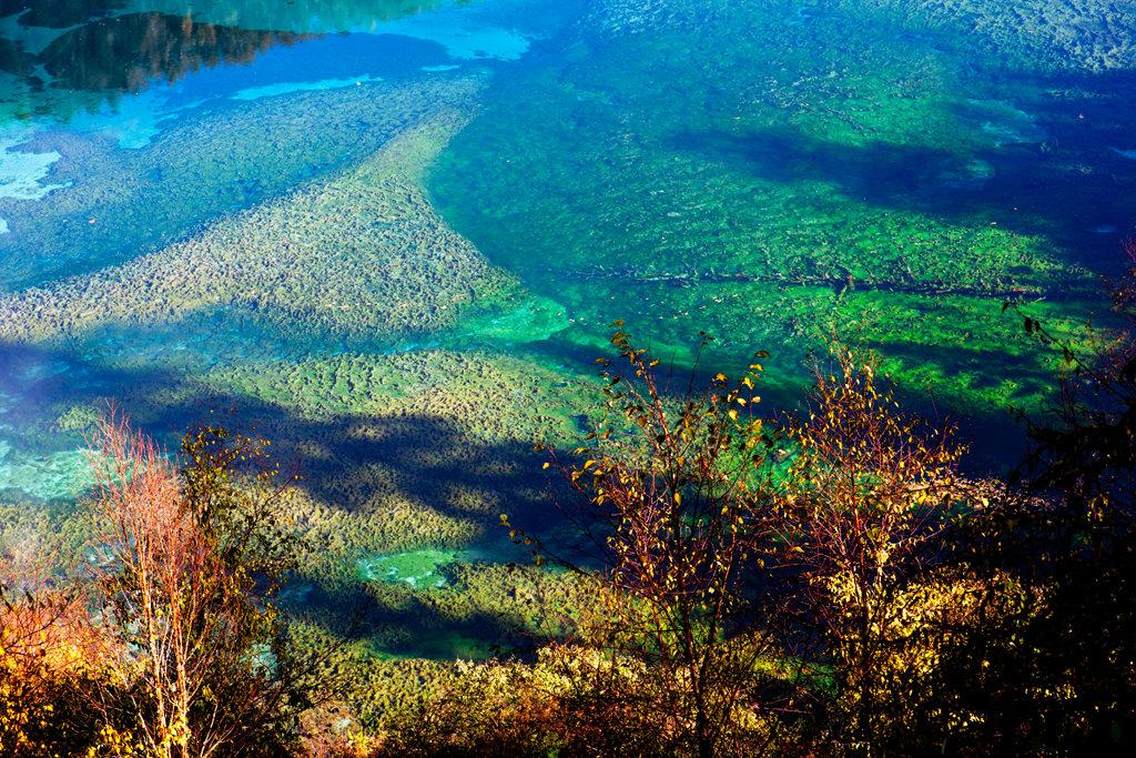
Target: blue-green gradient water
{"type": "Point", "coordinates": [392, 235]}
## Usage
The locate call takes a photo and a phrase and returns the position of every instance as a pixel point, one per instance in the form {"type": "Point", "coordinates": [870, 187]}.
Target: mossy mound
{"type": "Point", "coordinates": [230, 155]}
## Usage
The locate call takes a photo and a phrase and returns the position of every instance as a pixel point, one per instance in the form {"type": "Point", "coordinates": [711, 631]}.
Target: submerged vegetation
{"type": "Point", "coordinates": [390, 238]}
{"type": "Point", "coordinates": [824, 581]}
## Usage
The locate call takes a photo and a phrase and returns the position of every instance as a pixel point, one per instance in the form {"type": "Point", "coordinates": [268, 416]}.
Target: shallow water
{"type": "Point", "coordinates": [392, 235]}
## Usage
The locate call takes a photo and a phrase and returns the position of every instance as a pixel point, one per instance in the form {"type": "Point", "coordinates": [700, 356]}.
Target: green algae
{"type": "Point", "coordinates": [427, 602]}
{"type": "Point", "coordinates": [38, 535]}
{"type": "Point", "coordinates": [764, 193]}
{"type": "Point", "coordinates": [398, 452]}
{"type": "Point", "coordinates": [79, 418]}
{"type": "Point", "coordinates": [418, 568]}
{"type": "Point", "coordinates": [60, 475]}
{"type": "Point", "coordinates": [532, 319]}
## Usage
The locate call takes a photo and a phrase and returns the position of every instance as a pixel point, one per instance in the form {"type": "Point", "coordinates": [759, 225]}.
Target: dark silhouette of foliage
{"type": "Point", "coordinates": [1059, 674]}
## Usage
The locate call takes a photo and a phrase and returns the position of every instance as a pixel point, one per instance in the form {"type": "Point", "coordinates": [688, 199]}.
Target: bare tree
{"type": "Point", "coordinates": [197, 654]}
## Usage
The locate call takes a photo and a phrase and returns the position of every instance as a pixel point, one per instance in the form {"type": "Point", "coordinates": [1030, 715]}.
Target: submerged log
{"type": "Point", "coordinates": [841, 284]}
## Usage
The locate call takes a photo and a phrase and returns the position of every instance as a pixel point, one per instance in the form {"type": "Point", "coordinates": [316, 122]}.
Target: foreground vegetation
{"type": "Point", "coordinates": [830, 582]}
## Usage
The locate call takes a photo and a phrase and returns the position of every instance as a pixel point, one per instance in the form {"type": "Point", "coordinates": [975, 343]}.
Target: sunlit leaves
{"type": "Point", "coordinates": [675, 481]}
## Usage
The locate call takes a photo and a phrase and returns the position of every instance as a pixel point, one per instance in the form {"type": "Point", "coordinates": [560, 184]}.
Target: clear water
{"type": "Point", "coordinates": [392, 235]}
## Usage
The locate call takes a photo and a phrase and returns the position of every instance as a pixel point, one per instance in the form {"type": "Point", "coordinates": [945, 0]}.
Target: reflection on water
{"type": "Point", "coordinates": [53, 53]}
{"type": "Point", "coordinates": [128, 52]}
{"type": "Point", "coordinates": [58, 14]}
{"type": "Point", "coordinates": [297, 15]}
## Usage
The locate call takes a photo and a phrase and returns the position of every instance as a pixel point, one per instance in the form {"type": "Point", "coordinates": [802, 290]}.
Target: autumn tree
{"type": "Point", "coordinates": [670, 657]}
{"type": "Point", "coordinates": [47, 649]}
{"type": "Point", "coordinates": [46, 646]}
{"type": "Point", "coordinates": [191, 558]}
{"type": "Point", "coordinates": [861, 515]}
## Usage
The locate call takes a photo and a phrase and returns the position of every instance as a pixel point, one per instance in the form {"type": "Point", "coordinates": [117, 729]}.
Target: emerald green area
{"type": "Point", "coordinates": [46, 476]}
{"type": "Point", "coordinates": [418, 568]}
{"type": "Point", "coordinates": [827, 172]}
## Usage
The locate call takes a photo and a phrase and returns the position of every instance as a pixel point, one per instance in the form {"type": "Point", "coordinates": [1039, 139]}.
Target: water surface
{"type": "Point", "coordinates": [392, 235]}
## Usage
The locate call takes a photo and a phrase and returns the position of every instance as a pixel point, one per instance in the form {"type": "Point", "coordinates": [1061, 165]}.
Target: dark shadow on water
{"type": "Point", "coordinates": [411, 626]}
{"type": "Point", "coordinates": [1057, 171]}
{"type": "Point", "coordinates": [881, 173]}
{"type": "Point", "coordinates": [433, 463]}
{"type": "Point", "coordinates": [429, 461]}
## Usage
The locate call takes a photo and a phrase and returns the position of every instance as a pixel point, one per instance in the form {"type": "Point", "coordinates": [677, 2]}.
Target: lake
{"type": "Point", "coordinates": [391, 236]}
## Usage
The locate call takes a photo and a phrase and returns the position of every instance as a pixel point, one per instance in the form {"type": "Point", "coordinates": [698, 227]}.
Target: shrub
{"type": "Point", "coordinates": [199, 658]}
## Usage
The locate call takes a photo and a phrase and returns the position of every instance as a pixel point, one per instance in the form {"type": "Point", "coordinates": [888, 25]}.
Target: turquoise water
{"type": "Point", "coordinates": [391, 235]}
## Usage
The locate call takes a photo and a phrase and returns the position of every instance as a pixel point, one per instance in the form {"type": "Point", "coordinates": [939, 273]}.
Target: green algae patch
{"type": "Point", "coordinates": [79, 418]}
{"type": "Point", "coordinates": [964, 351]}
{"type": "Point", "coordinates": [531, 319]}
{"type": "Point", "coordinates": [418, 568]}
{"type": "Point", "coordinates": [827, 156]}
{"type": "Point", "coordinates": [59, 475]}
{"type": "Point", "coordinates": [500, 605]}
